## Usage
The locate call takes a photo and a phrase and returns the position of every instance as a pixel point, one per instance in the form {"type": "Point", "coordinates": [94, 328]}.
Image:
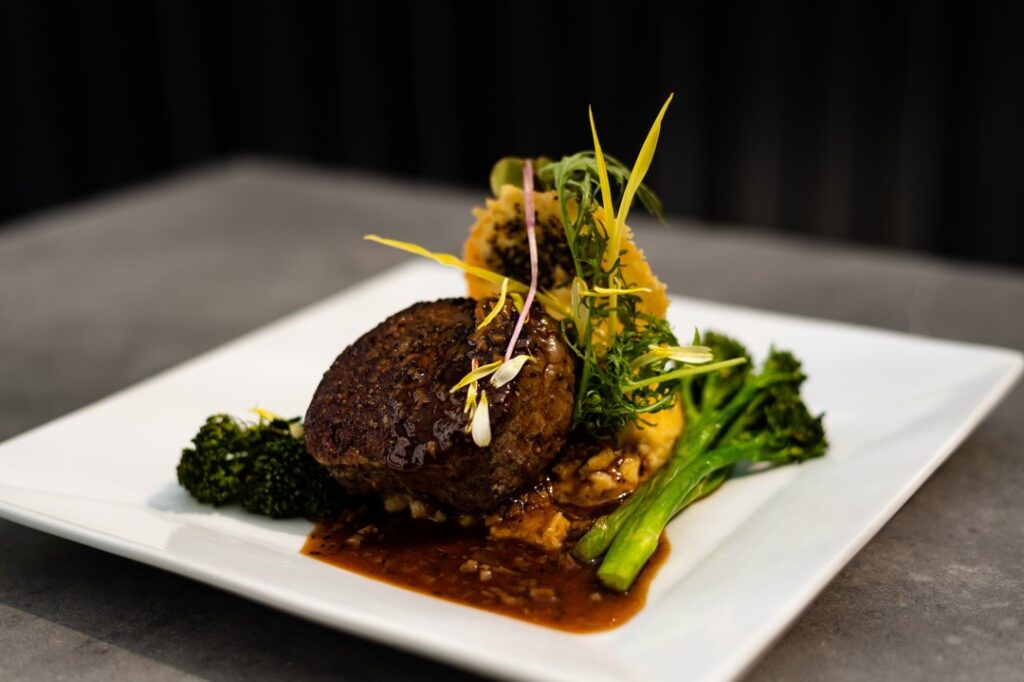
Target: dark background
{"type": "Point", "coordinates": [890, 123]}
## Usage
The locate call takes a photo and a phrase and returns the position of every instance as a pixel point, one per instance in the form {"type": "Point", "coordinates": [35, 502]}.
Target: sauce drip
{"type": "Point", "coordinates": [464, 565]}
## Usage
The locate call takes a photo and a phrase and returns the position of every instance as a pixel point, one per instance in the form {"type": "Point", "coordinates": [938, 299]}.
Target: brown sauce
{"type": "Point", "coordinates": [464, 565]}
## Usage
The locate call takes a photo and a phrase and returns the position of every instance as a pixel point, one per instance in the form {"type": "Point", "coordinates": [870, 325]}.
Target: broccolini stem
{"type": "Point", "coordinates": [706, 487]}
{"type": "Point", "coordinates": [661, 493]}
{"type": "Point", "coordinates": [639, 537]}
{"type": "Point", "coordinates": [690, 411]}
{"type": "Point", "coordinates": [600, 536]}
{"type": "Point", "coordinates": [603, 532]}
{"type": "Point", "coordinates": [581, 390]}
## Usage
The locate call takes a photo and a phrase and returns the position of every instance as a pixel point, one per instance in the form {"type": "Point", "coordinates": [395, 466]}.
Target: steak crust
{"type": "Point", "coordinates": [383, 419]}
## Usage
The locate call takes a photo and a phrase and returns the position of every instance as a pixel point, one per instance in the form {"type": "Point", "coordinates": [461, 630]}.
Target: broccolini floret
{"type": "Point", "coordinates": [263, 466]}
{"type": "Point", "coordinates": [733, 415]}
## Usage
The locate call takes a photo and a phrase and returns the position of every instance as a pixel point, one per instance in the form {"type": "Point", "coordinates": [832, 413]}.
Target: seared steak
{"type": "Point", "coordinates": [383, 419]}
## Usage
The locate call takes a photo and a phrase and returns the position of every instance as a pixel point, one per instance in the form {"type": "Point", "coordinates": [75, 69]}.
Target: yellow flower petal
{"type": "Point", "coordinates": [692, 355]}
{"type": "Point", "coordinates": [476, 375]}
{"type": "Point", "coordinates": [470, 399]}
{"type": "Point", "coordinates": [508, 371]}
{"type": "Point", "coordinates": [480, 427]}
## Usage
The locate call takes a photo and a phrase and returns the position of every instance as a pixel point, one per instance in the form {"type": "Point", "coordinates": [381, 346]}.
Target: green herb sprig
{"type": "Point", "coordinates": [610, 332]}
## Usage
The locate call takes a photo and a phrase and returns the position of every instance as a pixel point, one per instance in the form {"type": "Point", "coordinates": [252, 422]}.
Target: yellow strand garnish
{"type": "Point", "coordinates": [443, 259]}
{"type": "Point", "coordinates": [497, 306]}
{"type": "Point", "coordinates": [606, 186]}
{"type": "Point", "coordinates": [545, 298]}
{"type": "Point", "coordinates": [470, 407]}
{"type": "Point", "coordinates": [294, 428]}
{"type": "Point", "coordinates": [611, 225]}
{"type": "Point", "coordinates": [614, 224]}
{"type": "Point", "coordinates": [636, 176]}
{"type": "Point", "coordinates": [605, 291]}
{"type": "Point", "coordinates": [476, 375]}
{"type": "Point", "coordinates": [266, 415]}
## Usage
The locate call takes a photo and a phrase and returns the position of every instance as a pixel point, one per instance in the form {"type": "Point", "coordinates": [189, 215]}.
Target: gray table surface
{"type": "Point", "coordinates": [101, 295]}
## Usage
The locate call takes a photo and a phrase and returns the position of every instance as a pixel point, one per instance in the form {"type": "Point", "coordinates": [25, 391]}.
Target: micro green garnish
{"type": "Point", "coordinates": [606, 327]}
{"type": "Point", "coordinates": [623, 375]}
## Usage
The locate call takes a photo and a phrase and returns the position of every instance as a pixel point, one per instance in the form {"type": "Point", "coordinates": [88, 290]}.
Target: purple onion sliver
{"type": "Point", "coordinates": [531, 236]}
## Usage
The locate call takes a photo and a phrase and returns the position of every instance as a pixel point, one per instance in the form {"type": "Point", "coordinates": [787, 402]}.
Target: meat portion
{"type": "Point", "coordinates": [383, 419]}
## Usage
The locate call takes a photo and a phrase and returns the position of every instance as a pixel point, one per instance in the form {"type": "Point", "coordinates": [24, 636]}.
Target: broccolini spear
{"type": "Point", "coordinates": [263, 466]}
{"type": "Point", "coordinates": [737, 415]}
{"type": "Point", "coordinates": [701, 393]}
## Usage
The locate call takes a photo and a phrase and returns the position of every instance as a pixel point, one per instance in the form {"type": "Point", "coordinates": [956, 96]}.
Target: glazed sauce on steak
{"type": "Point", "coordinates": [467, 566]}
{"type": "Point", "coordinates": [385, 420]}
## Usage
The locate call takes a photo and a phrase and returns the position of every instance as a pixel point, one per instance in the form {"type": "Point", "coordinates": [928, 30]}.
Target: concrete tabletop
{"type": "Point", "coordinates": [98, 296]}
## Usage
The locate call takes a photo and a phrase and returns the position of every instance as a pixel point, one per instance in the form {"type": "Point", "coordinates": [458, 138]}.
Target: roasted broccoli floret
{"type": "Point", "coordinates": [262, 466]}
{"type": "Point", "coordinates": [213, 468]}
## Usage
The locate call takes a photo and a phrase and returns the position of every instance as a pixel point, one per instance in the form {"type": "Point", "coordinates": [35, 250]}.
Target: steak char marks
{"type": "Point", "coordinates": [383, 419]}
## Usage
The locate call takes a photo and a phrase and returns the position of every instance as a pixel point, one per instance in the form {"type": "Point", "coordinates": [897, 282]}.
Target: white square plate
{"type": "Point", "coordinates": [896, 405]}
